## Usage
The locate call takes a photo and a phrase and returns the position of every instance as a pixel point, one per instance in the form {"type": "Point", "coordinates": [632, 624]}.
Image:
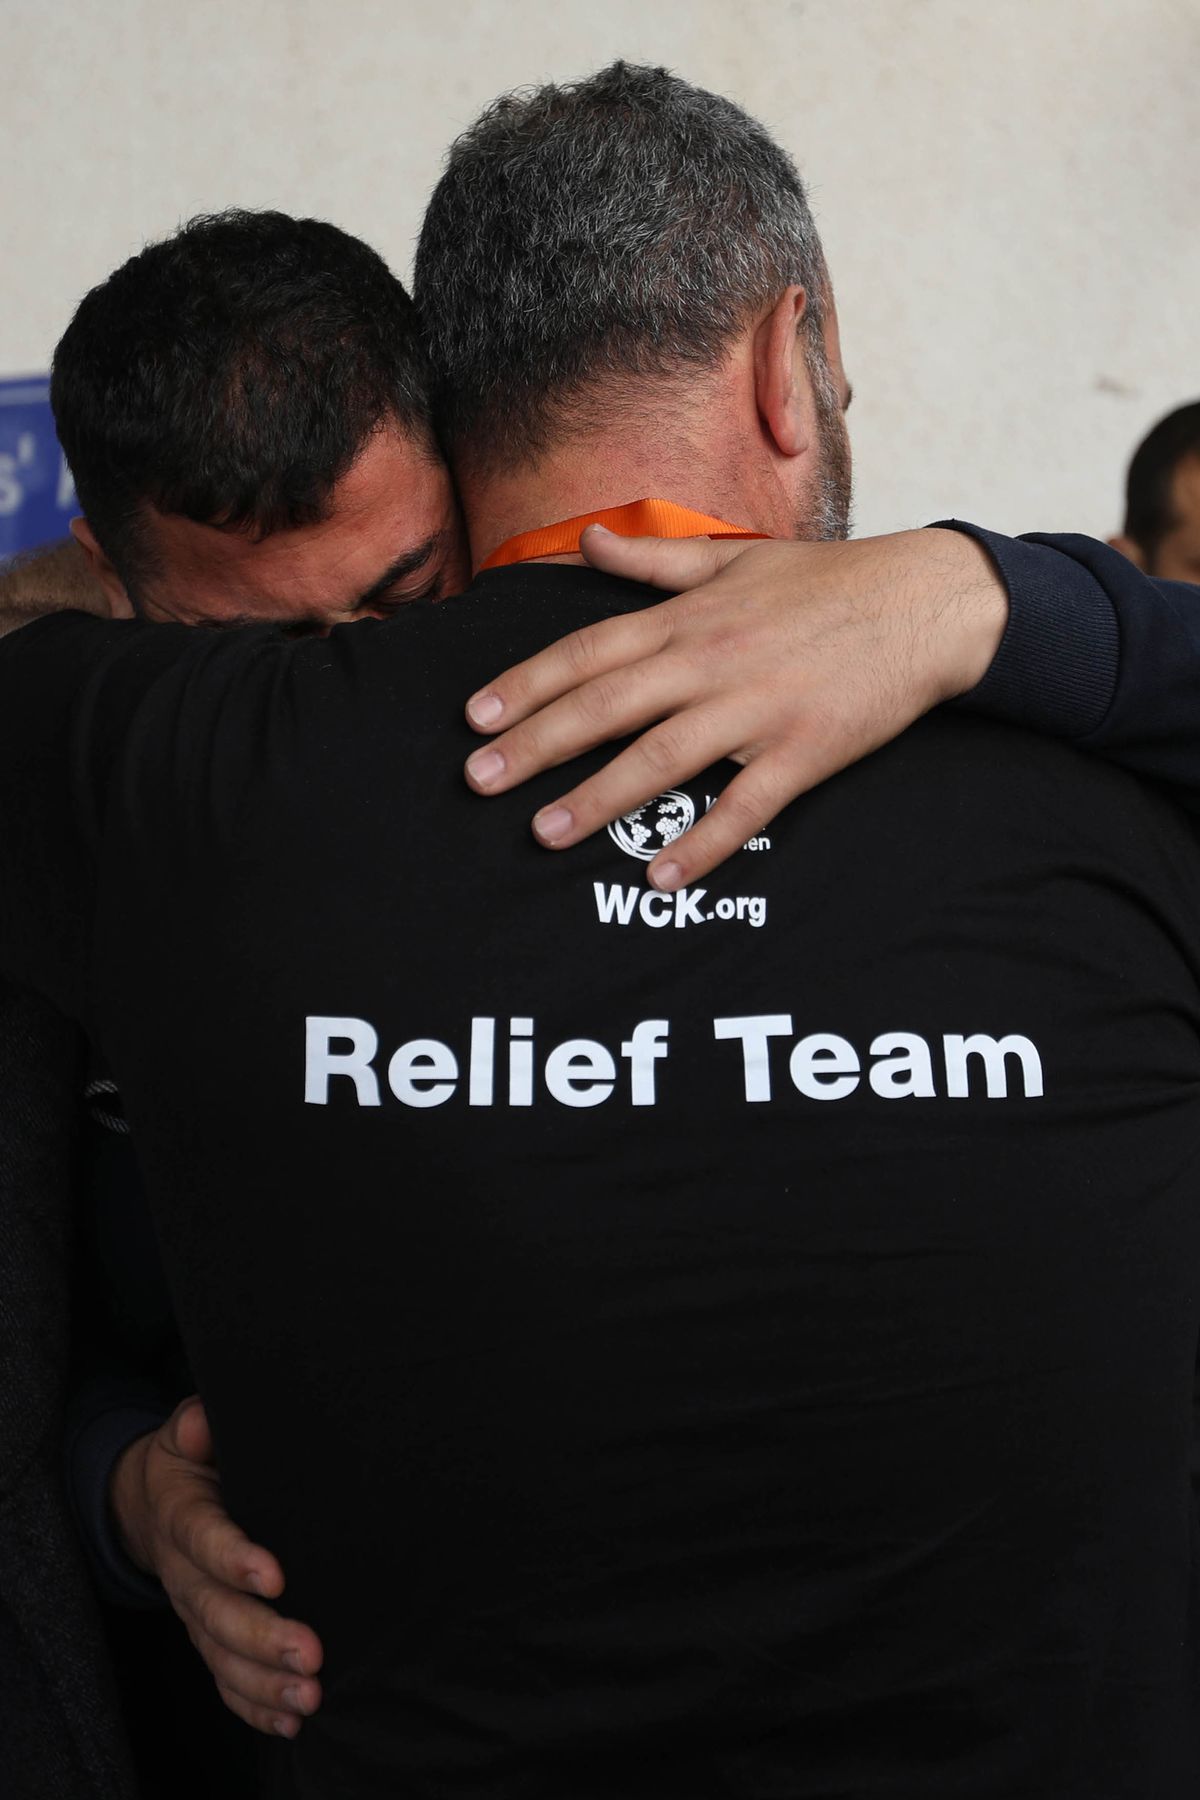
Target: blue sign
{"type": "Point", "coordinates": [37, 495]}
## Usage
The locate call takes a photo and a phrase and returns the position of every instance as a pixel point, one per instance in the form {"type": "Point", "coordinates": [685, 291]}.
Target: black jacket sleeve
{"type": "Point", "coordinates": [1098, 653]}
{"type": "Point", "coordinates": [129, 1370]}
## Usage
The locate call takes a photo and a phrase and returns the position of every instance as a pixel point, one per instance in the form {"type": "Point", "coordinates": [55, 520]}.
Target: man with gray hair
{"type": "Point", "coordinates": [641, 295]}
{"type": "Point", "coordinates": [643, 298]}
{"type": "Point", "coordinates": [738, 1339]}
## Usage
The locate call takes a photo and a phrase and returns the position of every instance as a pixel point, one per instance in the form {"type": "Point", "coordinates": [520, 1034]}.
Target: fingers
{"type": "Point", "coordinates": [272, 1723]}
{"type": "Point", "coordinates": [607, 707]}
{"type": "Point", "coordinates": [796, 661]}
{"type": "Point", "coordinates": [662, 758]}
{"type": "Point", "coordinates": [271, 1702]}
{"type": "Point", "coordinates": [673, 753]}
{"type": "Point", "coordinates": [201, 1533]}
{"type": "Point", "coordinates": [576, 658]}
{"type": "Point", "coordinates": [183, 1485]}
{"type": "Point", "coordinates": [671, 563]}
{"type": "Point", "coordinates": [209, 1541]}
{"type": "Point", "coordinates": [186, 1431]}
{"type": "Point", "coordinates": [264, 1666]}
{"type": "Point", "coordinates": [240, 1623]}
{"type": "Point", "coordinates": [749, 803]}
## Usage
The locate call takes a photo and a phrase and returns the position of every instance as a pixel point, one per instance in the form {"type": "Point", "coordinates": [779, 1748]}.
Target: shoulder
{"type": "Point", "coordinates": [1032, 816]}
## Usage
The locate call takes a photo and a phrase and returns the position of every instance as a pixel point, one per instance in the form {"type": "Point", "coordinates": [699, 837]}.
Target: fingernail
{"type": "Point", "coordinates": [552, 824]}
{"type": "Point", "coordinates": [292, 1699]}
{"type": "Point", "coordinates": [485, 767]}
{"type": "Point", "coordinates": [254, 1582]}
{"type": "Point", "coordinates": [600, 530]}
{"type": "Point", "coordinates": [484, 709]}
{"type": "Point", "coordinates": [286, 1728]}
{"type": "Point", "coordinates": [666, 877]}
{"type": "Point", "coordinates": [291, 1660]}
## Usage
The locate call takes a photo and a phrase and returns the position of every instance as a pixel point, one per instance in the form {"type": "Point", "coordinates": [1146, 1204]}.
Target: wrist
{"type": "Point", "coordinates": [127, 1502]}
{"type": "Point", "coordinates": [971, 609]}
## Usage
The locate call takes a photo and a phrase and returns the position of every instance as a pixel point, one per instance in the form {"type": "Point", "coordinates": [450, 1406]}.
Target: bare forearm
{"type": "Point", "coordinates": [57, 578]}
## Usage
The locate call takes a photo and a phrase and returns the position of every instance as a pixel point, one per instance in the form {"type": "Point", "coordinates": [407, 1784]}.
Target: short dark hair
{"type": "Point", "coordinates": [232, 373]}
{"type": "Point", "coordinates": [627, 225]}
{"type": "Point", "coordinates": [1148, 511]}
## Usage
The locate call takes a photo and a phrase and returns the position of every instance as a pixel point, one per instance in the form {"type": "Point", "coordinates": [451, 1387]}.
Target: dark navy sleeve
{"type": "Point", "coordinates": [129, 1369]}
{"type": "Point", "coordinates": [104, 1418]}
{"type": "Point", "coordinates": [1098, 653]}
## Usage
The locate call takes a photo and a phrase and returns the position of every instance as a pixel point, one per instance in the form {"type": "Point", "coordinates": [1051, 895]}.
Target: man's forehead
{"type": "Point", "coordinates": [384, 520]}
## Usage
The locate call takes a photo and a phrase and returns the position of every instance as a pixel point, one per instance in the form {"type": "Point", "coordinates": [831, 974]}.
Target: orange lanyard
{"type": "Point", "coordinates": [640, 518]}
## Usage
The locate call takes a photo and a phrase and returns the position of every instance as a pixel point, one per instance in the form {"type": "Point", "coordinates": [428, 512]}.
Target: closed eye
{"type": "Point", "coordinates": [385, 605]}
{"type": "Point", "coordinates": [414, 562]}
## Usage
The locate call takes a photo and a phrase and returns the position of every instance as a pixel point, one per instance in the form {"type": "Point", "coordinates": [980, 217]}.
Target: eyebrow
{"type": "Point", "coordinates": [408, 564]}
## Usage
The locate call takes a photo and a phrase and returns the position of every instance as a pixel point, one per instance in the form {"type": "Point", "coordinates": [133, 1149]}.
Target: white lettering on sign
{"type": "Point", "coordinates": [12, 488]}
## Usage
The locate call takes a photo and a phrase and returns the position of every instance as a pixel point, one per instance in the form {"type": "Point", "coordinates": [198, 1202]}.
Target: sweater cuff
{"type": "Point", "coordinates": [91, 1458]}
{"type": "Point", "coordinates": [1056, 669]}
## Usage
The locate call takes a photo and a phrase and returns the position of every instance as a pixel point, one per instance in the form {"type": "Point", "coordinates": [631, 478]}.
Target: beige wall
{"type": "Point", "coordinates": [1009, 190]}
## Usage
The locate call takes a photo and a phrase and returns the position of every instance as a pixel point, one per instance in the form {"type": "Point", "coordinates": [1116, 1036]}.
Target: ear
{"type": "Point", "coordinates": [1128, 548]}
{"type": "Point", "coordinates": [120, 605]}
{"type": "Point", "coordinates": [780, 381]}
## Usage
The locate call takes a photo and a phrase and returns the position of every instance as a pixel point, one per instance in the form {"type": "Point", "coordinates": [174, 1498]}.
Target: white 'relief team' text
{"type": "Point", "coordinates": [503, 1063]}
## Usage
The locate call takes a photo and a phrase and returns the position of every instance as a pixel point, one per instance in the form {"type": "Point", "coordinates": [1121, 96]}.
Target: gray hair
{"type": "Point", "coordinates": [626, 226]}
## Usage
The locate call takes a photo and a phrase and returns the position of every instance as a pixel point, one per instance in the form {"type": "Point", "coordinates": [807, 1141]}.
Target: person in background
{"type": "Point", "coordinates": [1162, 499]}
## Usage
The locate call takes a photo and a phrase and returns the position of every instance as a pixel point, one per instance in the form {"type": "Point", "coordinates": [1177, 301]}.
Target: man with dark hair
{"type": "Point", "coordinates": [599, 1247]}
{"type": "Point", "coordinates": [245, 409]}
{"type": "Point", "coordinates": [1162, 499]}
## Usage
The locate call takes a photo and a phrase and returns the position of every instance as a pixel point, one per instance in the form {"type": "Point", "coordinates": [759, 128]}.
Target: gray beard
{"type": "Point", "coordinates": [827, 515]}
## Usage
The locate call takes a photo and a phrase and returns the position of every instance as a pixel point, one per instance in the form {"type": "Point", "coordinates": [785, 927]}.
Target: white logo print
{"type": "Point", "coordinates": [642, 834]}
{"type": "Point", "coordinates": [650, 828]}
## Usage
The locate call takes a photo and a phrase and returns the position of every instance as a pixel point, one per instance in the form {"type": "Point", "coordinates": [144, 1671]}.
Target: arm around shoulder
{"type": "Point", "coordinates": [1098, 653]}
{"type": "Point", "coordinates": [57, 578]}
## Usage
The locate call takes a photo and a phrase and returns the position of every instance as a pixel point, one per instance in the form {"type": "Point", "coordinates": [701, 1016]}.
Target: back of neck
{"type": "Point", "coordinates": [589, 474]}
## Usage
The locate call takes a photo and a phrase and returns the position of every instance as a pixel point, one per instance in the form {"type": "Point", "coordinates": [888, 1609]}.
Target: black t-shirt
{"type": "Point", "coordinates": [738, 1343]}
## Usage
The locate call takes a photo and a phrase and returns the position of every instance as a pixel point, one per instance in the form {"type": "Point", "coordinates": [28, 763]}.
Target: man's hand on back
{"type": "Point", "coordinates": [166, 1499]}
{"type": "Point", "coordinates": [794, 659]}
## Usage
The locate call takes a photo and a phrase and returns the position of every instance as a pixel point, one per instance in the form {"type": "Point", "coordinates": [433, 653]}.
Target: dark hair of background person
{"type": "Point", "coordinates": [625, 226]}
{"type": "Point", "coordinates": [1149, 507]}
{"type": "Point", "coordinates": [231, 374]}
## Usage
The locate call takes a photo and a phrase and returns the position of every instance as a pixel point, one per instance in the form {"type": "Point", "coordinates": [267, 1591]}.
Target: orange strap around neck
{"type": "Point", "coordinates": [640, 518]}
